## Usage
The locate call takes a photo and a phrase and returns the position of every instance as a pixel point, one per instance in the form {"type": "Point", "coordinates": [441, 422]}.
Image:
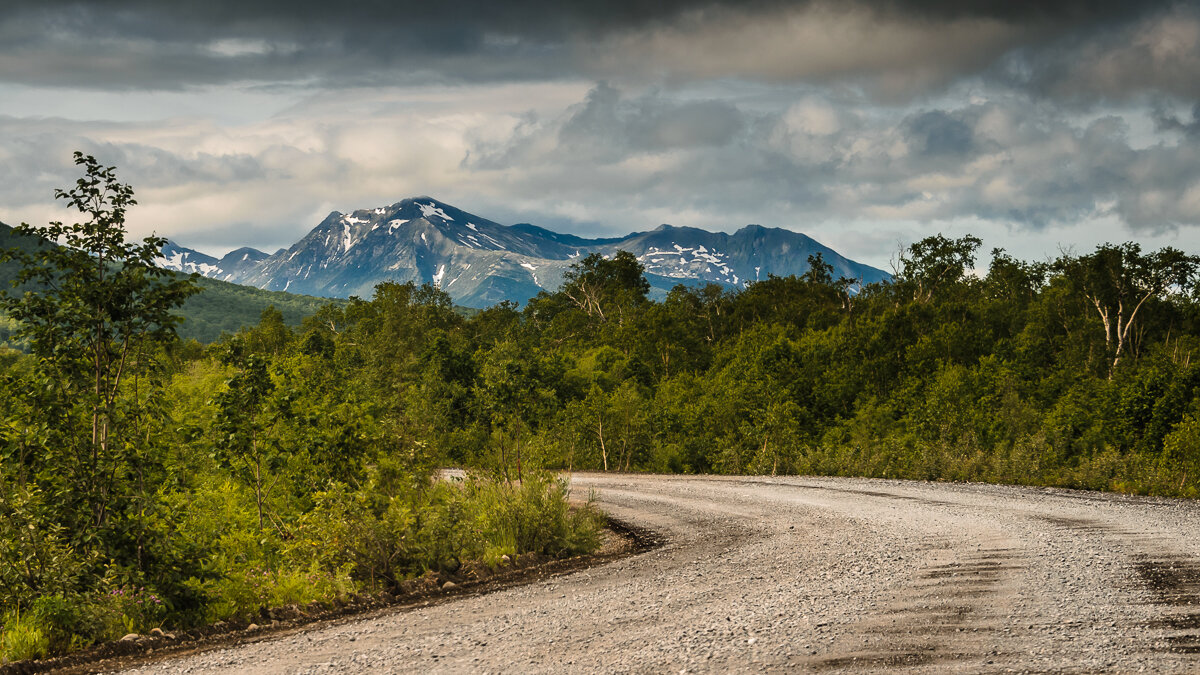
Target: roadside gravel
{"type": "Point", "coordinates": [812, 575]}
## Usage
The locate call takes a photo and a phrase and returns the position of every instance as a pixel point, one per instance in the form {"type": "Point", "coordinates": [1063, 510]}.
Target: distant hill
{"type": "Point", "coordinates": [220, 307]}
{"type": "Point", "coordinates": [479, 262]}
{"type": "Point", "coordinates": [226, 307]}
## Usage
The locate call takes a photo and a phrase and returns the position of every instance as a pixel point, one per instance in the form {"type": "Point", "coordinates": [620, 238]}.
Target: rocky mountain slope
{"type": "Point", "coordinates": [479, 262]}
{"type": "Point", "coordinates": [229, 267]}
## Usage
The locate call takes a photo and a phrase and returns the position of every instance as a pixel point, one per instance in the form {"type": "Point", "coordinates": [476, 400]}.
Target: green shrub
{"type": "Point", "coordinates": [22, 637]}
{"type": "Point", "coordinates": [534, 516]}
{"type": "Point", "coordinates": [128, 609]}
{"type": "Point", "coordinates": [243, 593]}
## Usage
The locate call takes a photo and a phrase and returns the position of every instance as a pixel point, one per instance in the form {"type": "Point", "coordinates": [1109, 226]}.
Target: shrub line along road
{"type": "Point", "coordinates": [812, 575]}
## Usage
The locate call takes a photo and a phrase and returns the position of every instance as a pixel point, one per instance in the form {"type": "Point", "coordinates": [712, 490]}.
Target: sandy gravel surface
{"type": "Point", "coordinates": [812, 575]}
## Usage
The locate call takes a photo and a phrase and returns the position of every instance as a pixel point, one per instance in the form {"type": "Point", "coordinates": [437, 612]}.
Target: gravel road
{"type": "Point", "coordinates": [812, 575]}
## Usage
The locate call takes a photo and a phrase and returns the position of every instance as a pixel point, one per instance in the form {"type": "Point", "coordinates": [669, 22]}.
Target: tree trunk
{"type": "Point", "coordinates": [258, 495]}
{"type": "Point", "coordinates": [600, 433]}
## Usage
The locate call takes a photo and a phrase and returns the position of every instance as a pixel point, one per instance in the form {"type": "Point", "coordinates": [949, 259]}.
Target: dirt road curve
{"type": "Point", "coordinates": [813, 575]}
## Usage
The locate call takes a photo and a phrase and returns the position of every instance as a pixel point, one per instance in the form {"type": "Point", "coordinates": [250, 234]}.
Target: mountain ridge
{"type": "Point", "coordinates": [480, 262]}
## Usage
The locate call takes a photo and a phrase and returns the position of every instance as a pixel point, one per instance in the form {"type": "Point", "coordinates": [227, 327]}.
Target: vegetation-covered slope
{"type": "Point", "coordinates": [224, 307]}
{"type": "Point", "coordinates": [219, 307]}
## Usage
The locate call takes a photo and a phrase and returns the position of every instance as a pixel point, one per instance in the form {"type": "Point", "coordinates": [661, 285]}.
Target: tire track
{"type": "Point", "coordinates": [1170, 578]}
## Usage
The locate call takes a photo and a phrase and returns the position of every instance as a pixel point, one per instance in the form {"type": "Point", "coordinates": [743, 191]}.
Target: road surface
{"type": "Point", "coordinates": [811, 575]}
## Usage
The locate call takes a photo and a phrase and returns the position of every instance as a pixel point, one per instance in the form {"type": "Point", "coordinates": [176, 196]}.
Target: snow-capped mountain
{"type": "Point", "coordinates": [230, 267]}
{"type": "Point", "coordinates": [479, 262]}
{"type": "Point", "coordinates": [188, 261]}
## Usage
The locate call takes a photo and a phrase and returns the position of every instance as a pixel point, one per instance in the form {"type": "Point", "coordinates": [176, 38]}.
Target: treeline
{"type": "Point", "coordinates": [148, 482]}
{"type": "Point", "coordinates": [1079, 372]}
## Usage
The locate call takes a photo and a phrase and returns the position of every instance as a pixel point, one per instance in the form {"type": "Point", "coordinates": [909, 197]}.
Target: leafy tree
{"type": "Point", "coordinates": [271, 335]}
{"type": "Point", "coordinates": [1118, 281]}
{"type": "Point", "coordinates": [514, 397]}
{"type": "Point", "coordinates": [96, 307]}
{"type": "Point", "coordinates": [1014, 280]}
{"type": "Point", "coordinates": [244, 416]}
{"type": "Point", "coordinates": [606, 288]}
{"type": "Point", "coordinates": [936, 262]}
{"type": "Point", "coordinates": [819, 271]}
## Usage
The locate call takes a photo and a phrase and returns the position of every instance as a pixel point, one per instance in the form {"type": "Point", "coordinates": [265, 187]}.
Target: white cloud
{"type": "Point", "coordinates": [612, 161]}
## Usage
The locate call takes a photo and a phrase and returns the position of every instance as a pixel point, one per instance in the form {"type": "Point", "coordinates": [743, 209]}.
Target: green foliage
{"type": "Point", "coordinates": [242, 593]}
{"type": "Point", "coordinates": [935, 263]}
{"type": "Point", "coordinates": [243, 421]}
{"type": "Point", "coordinates": [22, 637]}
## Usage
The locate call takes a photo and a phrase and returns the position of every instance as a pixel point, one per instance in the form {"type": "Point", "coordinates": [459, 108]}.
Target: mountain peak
{"type": "Point", "coordinates": [479, 262]}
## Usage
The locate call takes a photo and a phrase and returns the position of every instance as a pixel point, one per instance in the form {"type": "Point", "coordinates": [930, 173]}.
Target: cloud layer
{"type": "Point", "coordinates": [245, 122]}
{"type": "Point", "coordinates": [610, 162]}
{"type": "Point", "coordinates": [893, 49]}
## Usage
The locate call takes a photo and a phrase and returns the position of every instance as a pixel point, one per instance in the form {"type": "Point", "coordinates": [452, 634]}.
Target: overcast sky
{"type": "Point", "coordinates": [1038, 126]}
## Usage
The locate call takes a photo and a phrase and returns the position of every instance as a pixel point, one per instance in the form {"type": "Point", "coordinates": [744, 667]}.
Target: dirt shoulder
{"type": "Point", "coordinates": [621, 539]}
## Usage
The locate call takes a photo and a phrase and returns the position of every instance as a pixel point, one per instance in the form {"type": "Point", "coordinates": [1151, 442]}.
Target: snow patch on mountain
{"type": "Point", "coordinates": [432, 209]}
{"type": "Point", "coordinates": [182, 262]}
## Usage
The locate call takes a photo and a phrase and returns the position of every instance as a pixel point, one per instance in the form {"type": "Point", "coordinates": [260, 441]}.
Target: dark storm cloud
{"type": "Point", "coordinates": [606, 123]}
{"type": "Point", "coordinates": [1158, 53]}
{"type": "Point", "coordinates": [939, 134]}
{"type": "Point", "coordinates": [450, 23]}
{"type": "Point", "coordinates": [155, 44]}
{"type": "Point", "coordinates": [605, 127]}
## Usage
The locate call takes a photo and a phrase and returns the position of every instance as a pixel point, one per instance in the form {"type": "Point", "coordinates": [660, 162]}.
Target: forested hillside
{"type": "Point", "coordinates": [221, 307]}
